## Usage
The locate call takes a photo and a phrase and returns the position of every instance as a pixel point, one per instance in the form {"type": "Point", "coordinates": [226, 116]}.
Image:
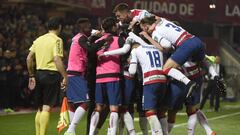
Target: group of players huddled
{"type": "Point", "coordinates": [135, 56]}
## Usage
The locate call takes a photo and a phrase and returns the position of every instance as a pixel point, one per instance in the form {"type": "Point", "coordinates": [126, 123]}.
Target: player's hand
{"type": "Point", "coordinates": [64, 83]}
{"type": "Point", "coordinates": [100, 56]}
{"type": "Point", "coordinates": [31, 83]}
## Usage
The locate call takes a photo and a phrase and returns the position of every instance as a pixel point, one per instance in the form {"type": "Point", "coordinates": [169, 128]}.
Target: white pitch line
{"type": "Point", "coordinates": [210, 119]}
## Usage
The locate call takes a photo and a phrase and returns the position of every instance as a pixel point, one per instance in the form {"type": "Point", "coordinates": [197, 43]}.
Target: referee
{"type": "Point", "coordinates": [47, 52]}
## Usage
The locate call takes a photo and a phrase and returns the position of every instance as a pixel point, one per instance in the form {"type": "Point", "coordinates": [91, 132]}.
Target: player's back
{"type": "Point", "coordinates": [169, 31]}
{"type": "Point", "coordinates": [151, 61]}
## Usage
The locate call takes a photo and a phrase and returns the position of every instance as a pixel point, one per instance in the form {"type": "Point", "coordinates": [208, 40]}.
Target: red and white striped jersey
{"type": "Point", "coordinates": [170, 31]}
{"type": "Point", "coordinates": [139, 14]}
{"type": "Point", "coordinates": [191, 69]}
{"type": "Point", "coordinates": [151, 61]}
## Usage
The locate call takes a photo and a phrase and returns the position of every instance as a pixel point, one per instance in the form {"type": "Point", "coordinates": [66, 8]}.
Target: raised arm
{"type": "Point", "coordinates": [163, 44]}
{"type": "Point", "coordinates": [133, 63]}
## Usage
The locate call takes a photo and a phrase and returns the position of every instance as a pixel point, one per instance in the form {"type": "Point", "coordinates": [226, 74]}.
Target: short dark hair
{"type": "Point", "coordinates": [54, 22]}
{"type": "Point", "coordinates": [108, 23]}
{"type": "Point", "coordinates": [121, 7]}
{"type": "Point", "coordinates": [148, 20]}
{"type": "Point", "coordinates": [82, 20]}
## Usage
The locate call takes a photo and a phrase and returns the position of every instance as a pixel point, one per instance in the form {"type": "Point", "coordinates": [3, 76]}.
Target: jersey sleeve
{"type": "Point", "coordinates": [120, 51]}
{"type": "Point", "coordinates": [133, 62]}
{"type": "Point", "coordinates": [32, 48]}
{"type": "Point", "coordinates": [161, 40]}
{"type": "Point", "coordinates": [58, 48]}
{"type": "Point", "coordinates": [141, 15]}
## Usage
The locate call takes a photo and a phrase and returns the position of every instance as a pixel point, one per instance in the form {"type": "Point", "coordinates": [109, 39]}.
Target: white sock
{"type": "Point", "coordinates": [143, 123]}
{"type": "Point", "coordinates": [192, 122]}
{"type": "Point", "coordinates": [79, 113]}
{"type": "Point", "coordinates": [128, 120]}
{"type": "Point", "coordinates": [71, 114]}
{"type": "Point", "coordinates": [155, 125]}
{"type": "Point", "coordinates": [178, 75]}
{"type": "Point", "coordinates": [113, 122]}
{"type": "Point", "coordinates": [109, 131]}
{"type": "Point", "coordinates": [164, 125]}
{"type": "Point", "coordinates": [170, 127]}
{"type": "Point", "coordinates": [121, 125]}
{"type": "Point", "coordinates": [203, 122]}
{"type": "Point", "coordinates": [94, 122]}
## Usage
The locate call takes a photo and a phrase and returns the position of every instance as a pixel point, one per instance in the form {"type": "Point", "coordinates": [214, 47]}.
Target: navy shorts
{"type": "Point", "coordinates": [177, 95]}
{"type": "Point", "coordinates": [191, 49]}
{"type": "Point", "coordinates": [77, 90]}
{"type": "Point", "coordinates": [153, 95]}
{"type": "Point", "coordinates": [128, 91]}
{"type": "Point", "coordinates": [108, 92]}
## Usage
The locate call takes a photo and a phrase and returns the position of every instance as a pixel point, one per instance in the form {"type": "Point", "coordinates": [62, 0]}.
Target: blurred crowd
{"type": "Point", "coordinates": [20, 25]}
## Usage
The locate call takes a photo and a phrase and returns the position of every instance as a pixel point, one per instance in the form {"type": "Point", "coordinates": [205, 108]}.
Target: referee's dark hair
{"type": "Point", "coordinates": [54, 23]}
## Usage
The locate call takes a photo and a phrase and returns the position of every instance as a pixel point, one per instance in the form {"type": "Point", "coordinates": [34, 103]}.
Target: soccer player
{"type": "Point", "coordinates": [154, 81]}
{"type": "Point", "coordinates": [167, 34]}
{"type": "Point", "coordinates": [129, 83]}
{"type": "Point", "coordinates": [131, 17]}
{"type": "Point", "coordinates": [77, 91]}
{"type": "Point", "coordinates": [107, 79]}
{"type": "Point", "coordinates": [177, 99]}
{"type": "Point", "coordinates": [47, 50]}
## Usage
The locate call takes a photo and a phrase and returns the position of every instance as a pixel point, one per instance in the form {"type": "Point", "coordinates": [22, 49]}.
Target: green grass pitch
{"type": "Point", "coordinates": [224, 122]}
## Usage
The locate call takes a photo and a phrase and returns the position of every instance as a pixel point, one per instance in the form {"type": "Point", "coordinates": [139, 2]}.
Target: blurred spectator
{"type": "Point", "coordinates": [212, 89]}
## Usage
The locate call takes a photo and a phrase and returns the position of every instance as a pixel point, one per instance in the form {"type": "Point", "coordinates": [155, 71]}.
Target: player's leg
{"type": "Point", "coordinates": [163, 120]}
{"type": "Point", "coordinates": [152, 96]}
{"type": "Point", "coordinates": [71, 110]}
{"type": "Point", "coordinates": [170, 69]}
{"type": "Point", "coordinates": [99, 98]}
{"type": "Point", "coordinates": [195, 113]}
{"type": "Point", "coordinates": [127, 95]}
{"type": "Point", "coordinates": [115, 99]}
{"type": "Point", "coordinates": [175, 98]}
{"type": "Point", "coordinates": [103, 116]}
{"type": "Point", "coordinates": [204, 123]}
{"type": "Point", "coordinates": [192, 120]}
{"type": "Point", "coordinates": [143, 122]}
{"type": "Point", "coordinates": [191, 48]}
{"type": "Point", "coordinates": [77, 93]}
{"type": "Point", "coordinates": [171, 119]}
{"type": "Point", "coordinates": [79, 113]}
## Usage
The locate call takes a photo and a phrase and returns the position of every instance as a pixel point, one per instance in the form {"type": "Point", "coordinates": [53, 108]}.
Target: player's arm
{"type": "Point", "coordinates": [133, 63]}
{"type": "Point", "coordinates": [138, 18]}
{"type": "Point", "coordinates": [90, 45]}
{"type": "Point", "coordinates": [163, 44]}
{"type": "Point", "coordinates": [121, 51]}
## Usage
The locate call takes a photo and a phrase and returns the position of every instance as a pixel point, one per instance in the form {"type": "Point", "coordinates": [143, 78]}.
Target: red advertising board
{"type": "Point", "coordinates": [228, 11]}
{"type": "Point", "coordinates": [94, 7]}
{"type": "Point", "coordinates": [188, 10]}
